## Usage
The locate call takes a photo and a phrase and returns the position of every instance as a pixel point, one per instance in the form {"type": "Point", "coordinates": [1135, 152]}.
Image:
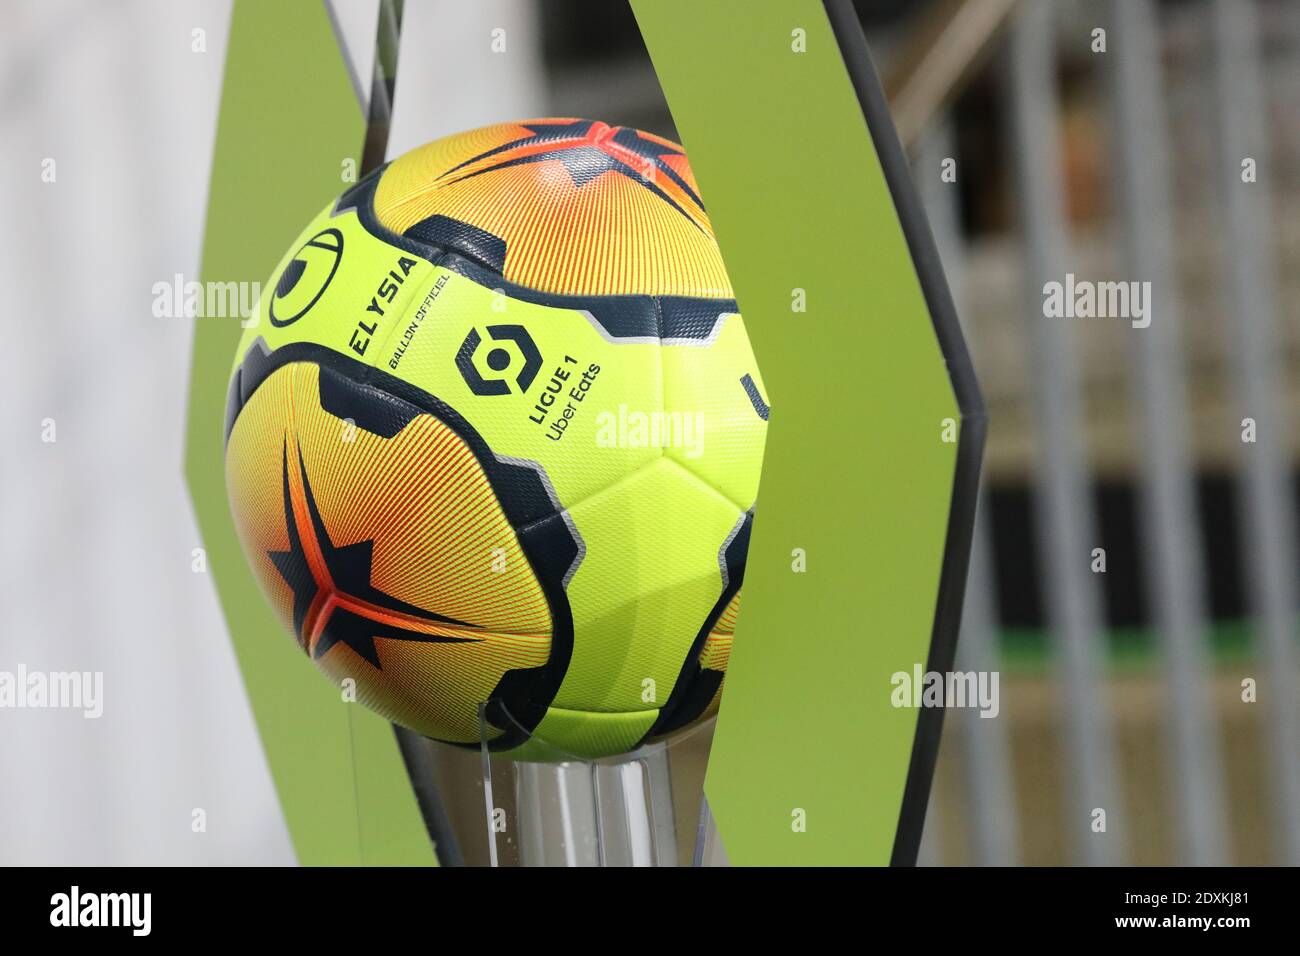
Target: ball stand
{"type": "Point", "coordinates": [645, 808]}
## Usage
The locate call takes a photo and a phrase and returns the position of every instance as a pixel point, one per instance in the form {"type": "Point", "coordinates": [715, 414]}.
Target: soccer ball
{"type": "Point", "coordinates": [494, 438]}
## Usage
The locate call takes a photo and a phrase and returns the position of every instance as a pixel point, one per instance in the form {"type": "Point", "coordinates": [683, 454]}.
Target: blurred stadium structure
{"type": "Point", "coordinates": [1120, 690]}
{"type": "Point", "coordinates": [1128, 165]}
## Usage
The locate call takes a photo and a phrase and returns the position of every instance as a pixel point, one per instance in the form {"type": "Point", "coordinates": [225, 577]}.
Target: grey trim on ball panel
{"type": "Point", "coordinates": [560, 509]}
{"type": "Point", "coordinates": [714, 332]}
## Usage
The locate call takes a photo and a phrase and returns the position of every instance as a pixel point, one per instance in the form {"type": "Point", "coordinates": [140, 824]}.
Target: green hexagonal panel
{"type": "Point", "coordinates": [868, 482]}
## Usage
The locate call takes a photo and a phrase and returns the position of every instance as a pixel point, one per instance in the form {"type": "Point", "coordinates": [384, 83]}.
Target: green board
{"type": "Point", "coordinates": [289, 120]}
{"type": "Point", "coordinates": [858, 558]}
{"type": "Point", "coordinates": [862, 528]}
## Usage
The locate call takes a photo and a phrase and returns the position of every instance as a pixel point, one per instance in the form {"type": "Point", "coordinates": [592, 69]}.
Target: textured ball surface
{"type": "Point", "coordinates": [494, 438]}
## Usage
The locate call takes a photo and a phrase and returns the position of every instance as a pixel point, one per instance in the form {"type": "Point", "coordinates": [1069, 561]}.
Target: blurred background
{"type": "Point", "coordinates": [1164, 148]}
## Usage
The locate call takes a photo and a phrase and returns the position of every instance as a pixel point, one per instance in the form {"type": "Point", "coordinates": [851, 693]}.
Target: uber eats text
{"type": "Point", "coordinates": [565, 385]}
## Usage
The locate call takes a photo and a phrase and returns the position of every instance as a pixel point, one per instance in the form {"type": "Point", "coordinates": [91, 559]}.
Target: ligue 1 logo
{"type": "Point", "coordinates": [499, 360]}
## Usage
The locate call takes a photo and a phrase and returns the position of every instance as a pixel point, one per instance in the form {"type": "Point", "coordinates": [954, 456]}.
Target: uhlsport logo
{"type": "Point", "coordinates": [306, 277]}
{"type": "Point", "coordinates": [520, 363]}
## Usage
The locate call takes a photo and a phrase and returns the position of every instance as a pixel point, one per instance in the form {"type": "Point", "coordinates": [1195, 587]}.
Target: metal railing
{"type": "Point", "coordinates": [1173, 575]}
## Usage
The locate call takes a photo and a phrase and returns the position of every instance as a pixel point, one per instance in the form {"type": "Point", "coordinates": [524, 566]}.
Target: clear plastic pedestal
{"type": "Point", "coordinates": [645, 808]}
